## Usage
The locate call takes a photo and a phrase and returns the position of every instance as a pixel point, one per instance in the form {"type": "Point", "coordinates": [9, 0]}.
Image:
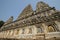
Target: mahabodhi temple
{"type": "Point", "coordinates": [40, 24]}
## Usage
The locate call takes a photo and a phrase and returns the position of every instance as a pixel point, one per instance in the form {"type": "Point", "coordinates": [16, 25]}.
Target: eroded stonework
{"type": "Point", "coordinates": [41, 24]}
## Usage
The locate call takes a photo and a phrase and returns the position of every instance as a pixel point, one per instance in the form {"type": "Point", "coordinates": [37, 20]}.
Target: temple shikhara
{"type": "Point", "coordinates": [40, 24]}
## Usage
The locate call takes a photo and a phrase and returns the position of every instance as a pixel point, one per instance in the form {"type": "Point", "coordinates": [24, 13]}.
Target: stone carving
{"type": "Point", "coordinates": [43, 23]}
{"type": "Point", "coordinates": [26, 11]}
{"type": "Point", "coordinates": [41, 6]}
{"type": "Point", "coordinates": [9, 20]}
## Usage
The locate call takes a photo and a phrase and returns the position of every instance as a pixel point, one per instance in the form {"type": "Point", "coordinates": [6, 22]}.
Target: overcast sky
{"type": "Point", "coordinates": [14, 7]}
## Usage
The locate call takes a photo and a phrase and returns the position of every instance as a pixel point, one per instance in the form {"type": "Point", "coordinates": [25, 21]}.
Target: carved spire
{"type": "Point", "coordinates": [41, 6]}
{"type": "Point", "coordinates": [27, 10]}
{"type": "Point", "coordinates": [9, 20]}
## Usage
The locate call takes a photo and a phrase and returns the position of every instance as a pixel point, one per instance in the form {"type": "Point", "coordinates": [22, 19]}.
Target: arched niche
{"type": "Point", "coordinates": [39, 28]}
{"type": "Point", "coordinates": [28, 30]}
{"type": "Point", "coordinates": [18, 31]}
{"type": "Point", "coordinates": [52, 27]}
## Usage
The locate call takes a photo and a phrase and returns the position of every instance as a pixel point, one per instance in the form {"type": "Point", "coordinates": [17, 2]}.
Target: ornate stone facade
{"type": "Point", "coordinates": [41, 24]}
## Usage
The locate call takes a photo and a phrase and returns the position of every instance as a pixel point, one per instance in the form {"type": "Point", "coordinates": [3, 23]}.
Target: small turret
{"type": "Point", "coordinates": [41, 6]}
{"type": "Point", "coordinates": [9, 20]}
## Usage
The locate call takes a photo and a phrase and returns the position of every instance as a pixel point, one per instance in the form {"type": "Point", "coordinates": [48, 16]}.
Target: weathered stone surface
{"type": "Point", "coordinates": [9, 20]}
{"type": "Point", "coordinates": [41, 24]}
{"type": "Point", "coordinates": [41, 6]}
{"type": "Point", "coordinates": [26, 11]}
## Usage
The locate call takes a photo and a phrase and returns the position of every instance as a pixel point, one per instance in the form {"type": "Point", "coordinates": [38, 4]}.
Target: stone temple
{"type": "Point", "coordinates": [41, 24]}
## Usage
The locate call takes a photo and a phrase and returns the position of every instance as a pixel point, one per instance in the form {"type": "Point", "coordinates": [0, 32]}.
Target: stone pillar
{"type": "Point", "coordinates": [26, 30]}
{"type": "Point", "coordinates": [20, 31]}
{"type": "Point", "coordinates": [45, 28]}
{"type": "Point", "coordinates": [5, 34]}
{"type": "Point", "coordinates": [34, 29]}
{"type": "Point", "coordinates": [15, 32]}
{"type": "Point", "coordinates": [1, 34]}
{"type": "Point", "coordinates": [8, 34]}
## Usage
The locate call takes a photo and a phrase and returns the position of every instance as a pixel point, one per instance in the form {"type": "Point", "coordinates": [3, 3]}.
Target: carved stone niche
{"type": "Point", "coordinates": [51, 27]}
{"type": "Point", "coordinates": [39, 28]}
{"type": "Point", "coordinates": [30, 30]}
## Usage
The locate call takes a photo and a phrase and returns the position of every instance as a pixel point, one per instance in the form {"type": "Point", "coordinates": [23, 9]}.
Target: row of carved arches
{"type": "Point", "coordinates": [33, 29]}
{"type": "Point", "coordinates": [47, 27]}
{"type": "Point", "coordinates": [17, 31]}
